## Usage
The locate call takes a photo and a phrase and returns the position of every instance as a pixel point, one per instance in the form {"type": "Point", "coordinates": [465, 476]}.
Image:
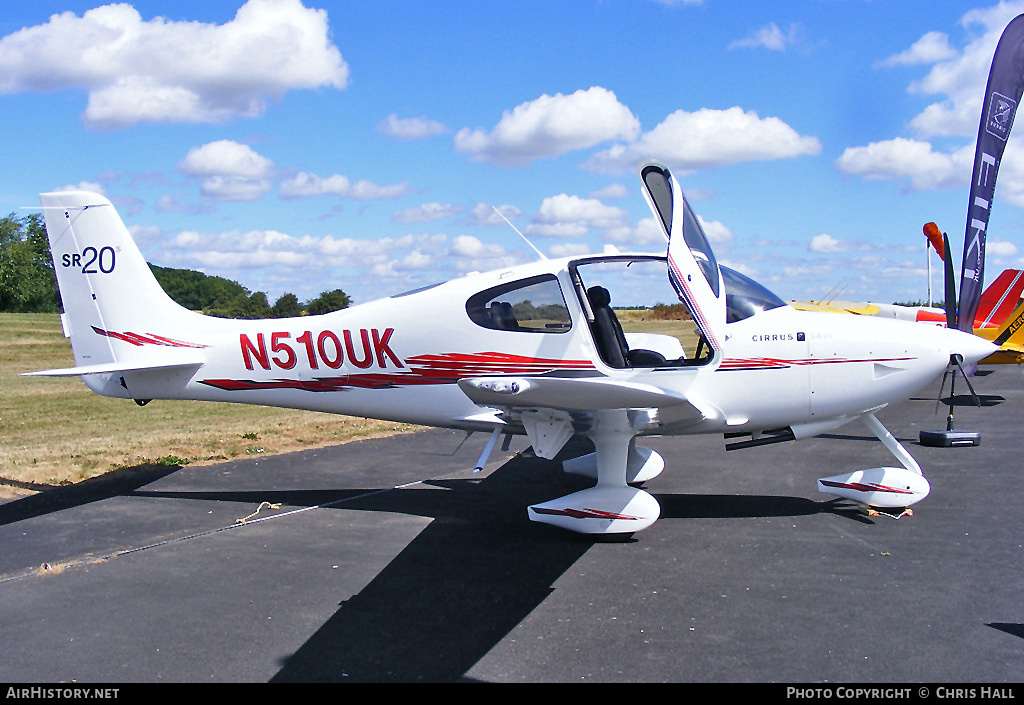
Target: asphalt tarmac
{"type": "Point", "coordinates": [392, 560]}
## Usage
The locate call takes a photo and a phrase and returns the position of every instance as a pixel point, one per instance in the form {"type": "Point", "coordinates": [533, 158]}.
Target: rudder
{"type": "Point", "coordinates": [111, 298]}
{"type": "Point", "coordinates": [1000, 299]}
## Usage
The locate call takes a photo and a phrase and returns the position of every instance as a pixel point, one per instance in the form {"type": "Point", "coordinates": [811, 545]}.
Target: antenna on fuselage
{"type": "Point", "coordinates": [539, 253]}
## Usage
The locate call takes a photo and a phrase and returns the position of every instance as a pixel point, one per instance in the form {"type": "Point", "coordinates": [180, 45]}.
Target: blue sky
{"type": "Point", "coordinates": [305, 146]}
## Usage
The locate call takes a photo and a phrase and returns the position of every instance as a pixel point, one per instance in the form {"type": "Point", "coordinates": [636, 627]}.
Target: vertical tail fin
{"type": "Point", "coordinates": [1012, 330]}
{"type": "Point", "coordinates": [1000, 299]}
{"type": "Point", "coordinates": [112, 301]}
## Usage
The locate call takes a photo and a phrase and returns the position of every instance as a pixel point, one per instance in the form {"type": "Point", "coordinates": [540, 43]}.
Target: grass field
{"type": "Point", "coordinates": [640, 321]}
{"type": "Point", "coordinates": [55, 431]}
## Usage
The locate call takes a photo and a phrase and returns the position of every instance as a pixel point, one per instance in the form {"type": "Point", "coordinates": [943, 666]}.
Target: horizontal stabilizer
{"type": "Point", "coordinates": [117, 367]}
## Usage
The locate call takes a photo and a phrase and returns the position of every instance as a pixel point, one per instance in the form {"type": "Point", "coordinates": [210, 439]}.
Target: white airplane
{"type": "Point", "coordinates": [534, 349]}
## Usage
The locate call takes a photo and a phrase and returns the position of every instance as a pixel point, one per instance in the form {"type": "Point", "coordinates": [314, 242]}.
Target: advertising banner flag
{"type": "Point", "coordinates": [1002, 96]}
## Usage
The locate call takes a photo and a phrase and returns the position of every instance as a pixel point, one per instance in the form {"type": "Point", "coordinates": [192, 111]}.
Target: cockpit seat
{"type": "Point", "coordinates": [611, 341]}
{"type": "Point", "coordinates": [503, 317]}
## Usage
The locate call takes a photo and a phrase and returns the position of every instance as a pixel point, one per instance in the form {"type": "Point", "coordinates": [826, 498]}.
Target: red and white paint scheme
{"type": "Point", "coordinates": [534, 349]}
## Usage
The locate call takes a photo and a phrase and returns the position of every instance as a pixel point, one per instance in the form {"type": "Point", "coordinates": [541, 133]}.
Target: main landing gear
{"type": "Point", "coordinates": [612, 506]}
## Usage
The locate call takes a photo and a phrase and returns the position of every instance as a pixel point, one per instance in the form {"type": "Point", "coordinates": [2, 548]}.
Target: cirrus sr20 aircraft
{"type": "Point", "coordinates": [534, 349]}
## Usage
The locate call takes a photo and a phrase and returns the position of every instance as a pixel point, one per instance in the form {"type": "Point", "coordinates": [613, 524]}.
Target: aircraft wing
{"type": "Point", "coordinates": [571, 394]}
{"type": "Point", "coordinates": [1007, 354]}
{"type": "Point", "coordinates": [546, 404]}
{"type": "Point", "coordinates": [862, 309]}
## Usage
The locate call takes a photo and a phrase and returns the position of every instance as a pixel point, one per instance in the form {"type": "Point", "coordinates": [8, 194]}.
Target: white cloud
{"type": "Point", "coordinates": [550, 126]}
{"type": "Point", "coordinates": [572, 216]}
{"type": "Point", "coordinates": [563, 207]}
{"type": "Point", "coordinates": [956, 76]}
{"type": "Point", "coordinates": [234, 188]}
{"type": "Point", "coordinates": [469, 246]}
{"type": "Point", "coordinates": [417, 259]}
{"type": "Point", "coordinates": [229, 171]}
{"type": "Point", "coordinates": [574, 249]}
{"type": "Point", "coordinates": [162, 70]}
{"type": "Point", "coordinates": [225, 158]}
{"type": "Point", "coordinates": [305, 185]}
{"type": "Point", "coordinates": [648, 232]}
{"type": "Point", "coordinates": [825, 243]}
{"type": "Point", "coordinates": [486, 214]}
{"type": "Point", "coordinates": [145, 235]}
{"type": "Point", "coordinates": [472, 254]}
{"type": "Point", "coordinates": [929, 49]}
{"type": "Point", "coordinates": [709, 138]}
{"type": "Point", "coordinates": [410, 128]}
{"type": "Point", "coordinates": [90, 186]}
{"type": "Point", "coordinates": [716, 231]}
{"type": "Point", "coordinates": [401, 267]}
{"type": "Point", "coordinates": [170, 204]}
{"type": "Point", "coordinates": [427, 212]}
{"type": "Point", "coordinates": [557, 230]}
{"type": "Point", "coordinates": [1000, 248]}
{"type": "Point", "coordinates": [912, 160]}
{"type": "Point", "coordinates": [1011, 174]}
{"type": "Point", "coordinates": [236, 249]}
{"type": "Point", "coordinates": [611, 191]}
{"type": "Point", "coordinates": [768, 37]}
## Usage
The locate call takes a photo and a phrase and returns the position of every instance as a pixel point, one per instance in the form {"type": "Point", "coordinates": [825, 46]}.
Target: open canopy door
{"type": "Point", "coordinates": [692, 267]}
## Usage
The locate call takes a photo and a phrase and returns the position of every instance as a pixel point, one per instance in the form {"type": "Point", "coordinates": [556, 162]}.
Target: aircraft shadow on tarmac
{"type": "Point", "coordinates": [475, 572]}
{"type": "Point", "coordinates": [964, 400]}
{"type": "Point", "coordinates": [51, 499]}
{"type": "Point", "coordinates": [456, 590]}
{"type": "Point", "coordinates": [1009, 628]}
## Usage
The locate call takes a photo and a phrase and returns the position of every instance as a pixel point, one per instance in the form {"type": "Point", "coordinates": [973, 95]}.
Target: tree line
{"type": "Point", "coordinates": [28, 283]}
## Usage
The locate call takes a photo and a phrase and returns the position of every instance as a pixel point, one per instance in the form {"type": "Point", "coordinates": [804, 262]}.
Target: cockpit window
{"type": "Point", "coordinates": [698, 243]}
{"type": "Point", "coordinates": [656, 179]}
{"type": "Point", "coordinates": [658, 183]}
{"type": "Point", "coordinates": [744, 297]}
{"type": "Point", "coordinates": [534, 305]}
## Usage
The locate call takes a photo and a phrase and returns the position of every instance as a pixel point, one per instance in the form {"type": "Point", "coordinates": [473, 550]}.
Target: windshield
{"type": "Point", "coordinates": [744, 297]}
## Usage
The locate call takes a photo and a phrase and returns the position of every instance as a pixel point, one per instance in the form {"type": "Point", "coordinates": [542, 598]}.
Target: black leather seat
{"type": "Point", "coordinates": [503, 317]}
{"type": "Point", "coordinates": [611, 341]}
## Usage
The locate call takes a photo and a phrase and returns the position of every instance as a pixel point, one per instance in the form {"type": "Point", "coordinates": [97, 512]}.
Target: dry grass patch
{"type": "Point", "coordinates": [666, 320]}
{"type": "Point", "coordinates": [55, 431]}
